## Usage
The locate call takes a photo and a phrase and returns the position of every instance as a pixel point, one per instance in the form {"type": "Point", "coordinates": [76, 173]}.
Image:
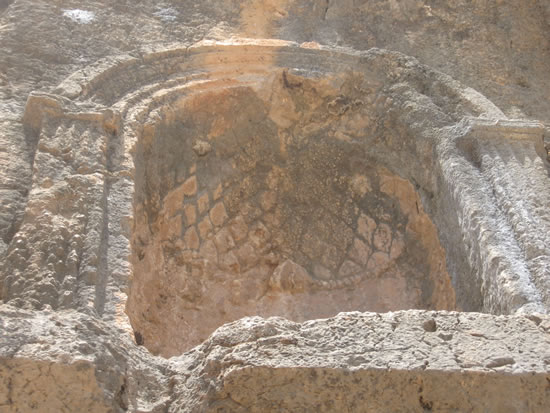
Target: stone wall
{"type": "Point", "coordinates": [168, 169]}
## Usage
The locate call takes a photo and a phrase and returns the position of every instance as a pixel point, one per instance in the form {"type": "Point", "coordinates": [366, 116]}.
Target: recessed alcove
{"type": "Point", "coordinates": [269, 200]}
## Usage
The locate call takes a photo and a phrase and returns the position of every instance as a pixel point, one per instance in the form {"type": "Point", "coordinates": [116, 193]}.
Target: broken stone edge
{"type": "Point", "coordinates": [410, 359]}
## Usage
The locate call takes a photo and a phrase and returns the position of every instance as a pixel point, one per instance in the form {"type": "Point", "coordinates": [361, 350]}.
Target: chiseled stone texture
{"type": "Point", "coordinates": [169, 167]}
{"type": "Point", "coordinates": [361, 362]}
{"type": "Point", "coordinates": [364, 362]}
{"type": "Point", "coordinates": [66, 361]}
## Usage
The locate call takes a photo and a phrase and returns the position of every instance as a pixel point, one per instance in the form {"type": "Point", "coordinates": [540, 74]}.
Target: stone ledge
{"type": "Point", "coordinates": [513, 128]}
{"type": "Point", "coordinates": [365, 362]}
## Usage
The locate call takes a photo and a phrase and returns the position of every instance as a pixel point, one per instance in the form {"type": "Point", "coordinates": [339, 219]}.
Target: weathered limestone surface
{"type": "Point", "coordinates": [497, 47]}
{"type": "Point", "coordinates": [298, 179]}
{"type": "Point", "coordinates": [167, 168]}
{"type": "Point", "coordinates": [68, 362]}
{"type": "Point", "coordinates": [362, 362]}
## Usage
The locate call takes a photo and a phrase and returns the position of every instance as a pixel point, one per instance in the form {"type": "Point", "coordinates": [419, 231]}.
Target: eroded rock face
{"type": "Point", "coordinates": [406, 360]}
{"type": "Point", "coordinates": [168, 168]}
{"type": "Point", "coordinates": [73, 362]}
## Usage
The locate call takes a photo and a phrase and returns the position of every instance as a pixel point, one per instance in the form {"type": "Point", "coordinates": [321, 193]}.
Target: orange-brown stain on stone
{"type": "Point", "coordinates": [423, 229]}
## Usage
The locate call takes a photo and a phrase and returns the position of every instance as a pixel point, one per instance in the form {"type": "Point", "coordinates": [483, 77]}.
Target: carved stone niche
{"type": "Point", "coordinates": [183, 189]}
{"type": "Point", "coordinates": [281, 182]}
{"type": "Point", "coordinates": [268, 201]}
{"type": "Point", "coordinates": [266, 178]}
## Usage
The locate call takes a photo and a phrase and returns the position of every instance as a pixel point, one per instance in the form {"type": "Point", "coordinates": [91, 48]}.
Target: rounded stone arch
{"type": "Point", "coordinates": [268, 178]}
{"type": "Point", "coordinates": [286, 187]}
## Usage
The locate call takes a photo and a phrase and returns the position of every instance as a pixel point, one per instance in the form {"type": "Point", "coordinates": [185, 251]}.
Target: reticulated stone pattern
{"type": "Point", "coordinates": [345, 173]}
{"type": "Point", "coordinates": [373, 151]}
{"type": "Point", "coordinates": [265, 201]}
{"type": "Point", "coordinates": [160, 192]}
